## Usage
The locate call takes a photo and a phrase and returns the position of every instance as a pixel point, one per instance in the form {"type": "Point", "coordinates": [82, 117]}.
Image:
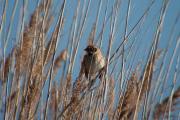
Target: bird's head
{"type": "Point", "coordinates": [91, 49]}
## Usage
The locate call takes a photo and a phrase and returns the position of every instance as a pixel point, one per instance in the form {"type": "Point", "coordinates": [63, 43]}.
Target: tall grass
{"type": "Point", "coordinates": [40, 78]}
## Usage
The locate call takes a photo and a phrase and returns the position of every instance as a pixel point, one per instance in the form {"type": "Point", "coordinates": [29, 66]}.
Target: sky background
{"type": "Point", "coordinates": [143, 35]}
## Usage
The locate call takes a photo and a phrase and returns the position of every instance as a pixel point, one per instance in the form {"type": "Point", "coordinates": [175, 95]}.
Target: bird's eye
{"type": "Point", "coordinates": [94, 49]}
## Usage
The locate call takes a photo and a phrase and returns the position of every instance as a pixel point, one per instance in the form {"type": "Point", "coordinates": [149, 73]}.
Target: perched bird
{"type": "Point", "coordinates": [93, 61]}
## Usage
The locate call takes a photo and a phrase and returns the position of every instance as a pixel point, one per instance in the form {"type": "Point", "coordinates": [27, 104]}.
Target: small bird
{"type": "Point", "coordinates": [93, 61]}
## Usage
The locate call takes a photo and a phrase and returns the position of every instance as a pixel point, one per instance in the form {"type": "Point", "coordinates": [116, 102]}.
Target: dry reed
{"type": "Point", "coordinates": [31, 72]}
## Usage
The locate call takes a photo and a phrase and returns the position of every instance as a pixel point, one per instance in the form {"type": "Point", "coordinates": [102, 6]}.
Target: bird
{"type": "Point", "coordinates": [93, 61]}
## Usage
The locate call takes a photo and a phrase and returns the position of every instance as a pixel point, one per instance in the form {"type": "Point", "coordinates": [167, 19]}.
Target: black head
{"type": "Point", "coordinates": [90, 49]}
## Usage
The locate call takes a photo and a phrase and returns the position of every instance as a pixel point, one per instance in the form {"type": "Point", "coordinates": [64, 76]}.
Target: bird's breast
{"type": "Point", "coordinates": [94, 64]}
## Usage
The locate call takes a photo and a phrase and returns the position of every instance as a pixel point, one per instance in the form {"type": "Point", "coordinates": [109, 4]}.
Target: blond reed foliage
{"type": "Point", "coordinates": [5, 68]}
{"type": "Point", "coordinates": [162, 109]}
{"type": "Point", "coordinates": [76, 96]}
{"type": "Point", "coordinates": [30, 48]}
{"type": "Point", "coordinates": [60, 58]}
{"type": "Point", "coordinates": [127, 103]}
{"type": "Point", "coordinates": [53, 102]}
{"type": "Point", "coordinates": [111, 98]}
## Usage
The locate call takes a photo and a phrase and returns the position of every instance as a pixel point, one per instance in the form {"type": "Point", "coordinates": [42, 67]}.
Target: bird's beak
{"type": "Point", "coordinates": [85, 49]}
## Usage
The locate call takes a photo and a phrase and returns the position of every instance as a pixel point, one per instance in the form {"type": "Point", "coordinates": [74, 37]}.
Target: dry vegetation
{"type": "Point", "coordinates": [31, 87]}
